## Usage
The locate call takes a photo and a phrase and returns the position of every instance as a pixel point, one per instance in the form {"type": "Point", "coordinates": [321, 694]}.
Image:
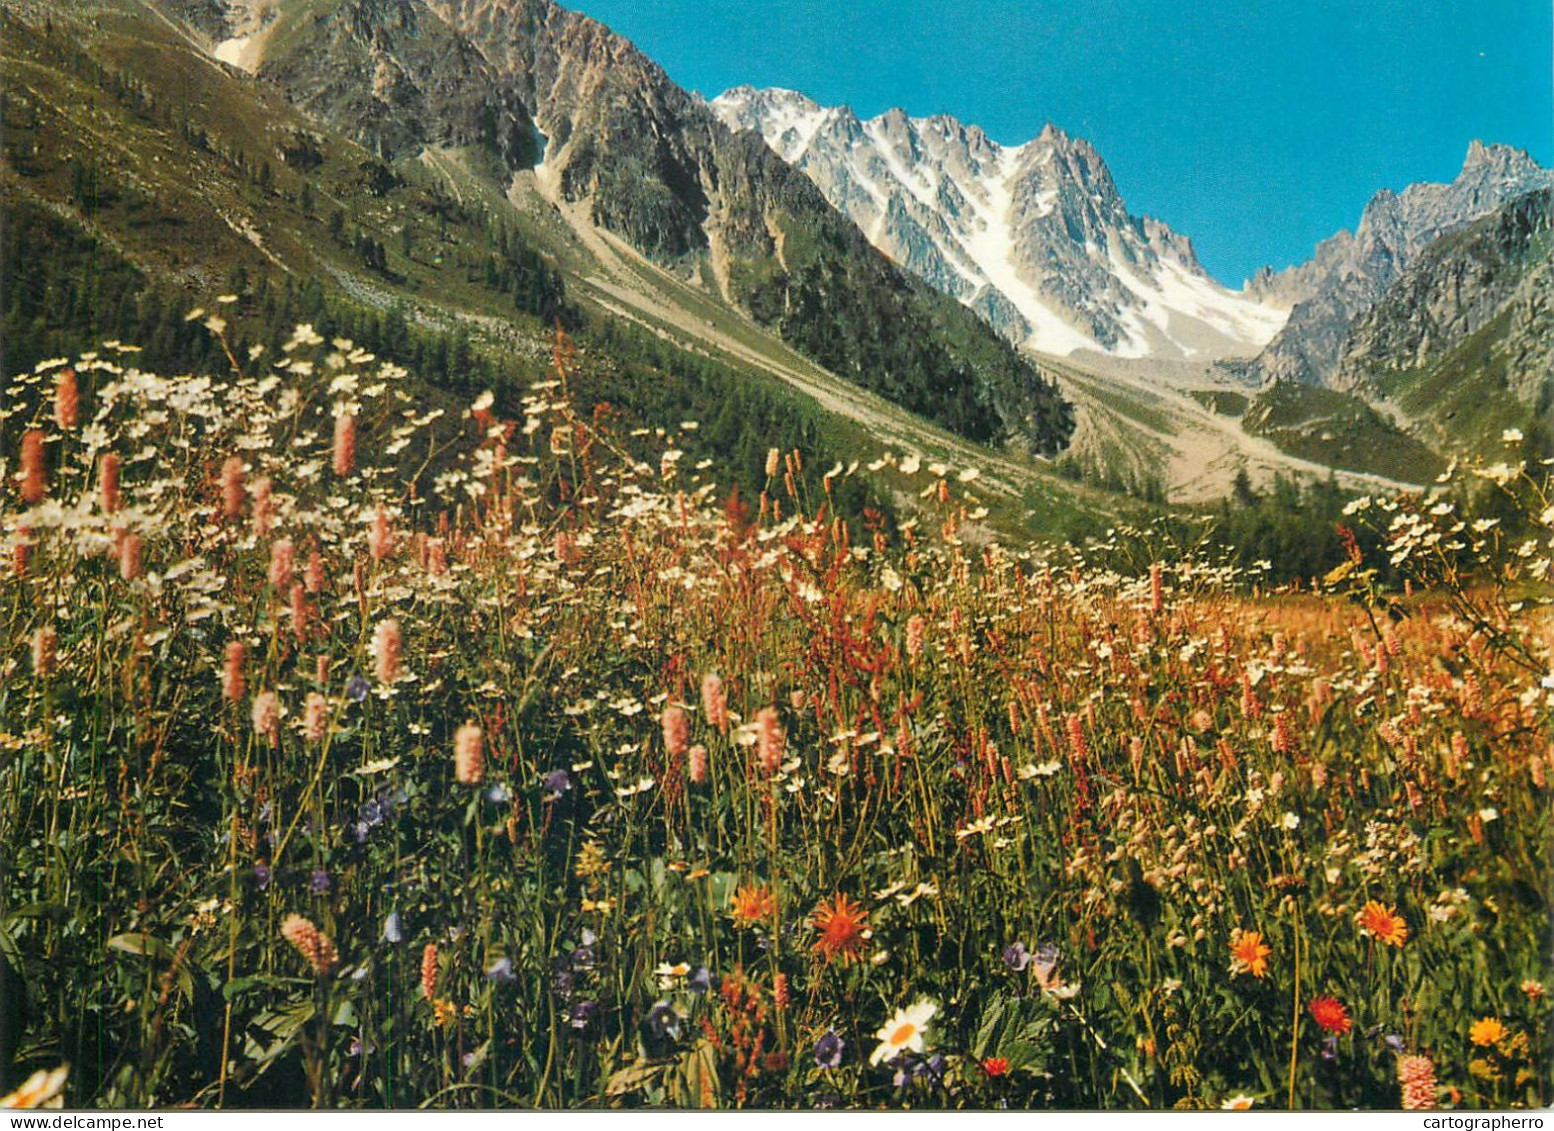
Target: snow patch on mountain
{"type": "Point", "coordinates": [1034, 237]}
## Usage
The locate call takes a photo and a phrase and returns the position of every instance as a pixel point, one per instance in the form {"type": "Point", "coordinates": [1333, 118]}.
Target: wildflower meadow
{"type": "Point", "coordinates": [361, 753]}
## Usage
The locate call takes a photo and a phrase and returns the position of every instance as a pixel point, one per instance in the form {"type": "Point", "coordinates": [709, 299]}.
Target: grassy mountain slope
{"type": "Point", "coordinates": [148, 178]}
{"type": "Point", "coordinates": [652, 164]}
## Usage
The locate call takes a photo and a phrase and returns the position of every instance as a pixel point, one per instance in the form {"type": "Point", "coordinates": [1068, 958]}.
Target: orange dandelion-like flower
{"type": "Point", "coordinates": [753, 905]}
{"type": "Point", "coordinates": [996, 1066]}
{"type": "Point", "coordinates": [315, 946]}
{"type": "Point", "coordinates": [1416, 1074]}
{"type": "Point", "coordinates": [44, 1088]}
{"type": "Point", "coordinates": [1249, 954]}
{"type": "Point", "coordinates": [1331, 1014]}
{"type": "Point", "coordinates": [1487, 1031]}
{"type": "Point", "coordinates": [1383, 924]}
{"type": "Point", "coordinates": [843, 928]}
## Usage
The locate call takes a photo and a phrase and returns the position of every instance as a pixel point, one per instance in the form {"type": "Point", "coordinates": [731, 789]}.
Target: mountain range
{"type": "Point", "coordinates": [1350, 271]}
{"type": "Point", "coordinates": [1037, 239]}
{"type": "Point", "coordinates": [648, 162]}
{"type": "Point", "coordinates": [1034, 237]}
{"type": "Point", "coordinates": [471, 171]}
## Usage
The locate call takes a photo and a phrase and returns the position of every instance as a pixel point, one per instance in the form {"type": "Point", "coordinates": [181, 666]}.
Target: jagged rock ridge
{"type": "Point", "coordinates": [1351, 271]}
{"type": "Point", "coordinates": [1035, 238]}
{"type": "Point", "coordinates": [652, 163]}
{"type": "Point", "coordinates": [1464, 340]}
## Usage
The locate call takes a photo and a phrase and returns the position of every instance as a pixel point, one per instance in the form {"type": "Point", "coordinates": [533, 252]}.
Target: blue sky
{"type": "Point", "coordinates": [1257, 127]}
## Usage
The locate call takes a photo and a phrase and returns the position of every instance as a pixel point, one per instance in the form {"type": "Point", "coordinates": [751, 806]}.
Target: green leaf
{"type": "Point", "coordinates": [138, 942]}
{"type": "Point", "coordinates": [239, 986]}
{"type": "Point", "coordinates": [40, 910]}
{"type": "Point", "coordinates": [632, 1078]}
{"type": "Point", "coordinates": [149, 946]}
{"type": "Point", "coordinates": [694, 1081]}
{"type": "Point", "coordinates": [987, 1032]}
{"type": "Point", "coordinates": [282, 1025]}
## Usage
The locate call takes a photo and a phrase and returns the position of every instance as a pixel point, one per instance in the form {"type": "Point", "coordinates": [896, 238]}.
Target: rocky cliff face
{"type": "Point", "coordinates": [1351, 271]}
{"type": "Point", "coordinates": [390, 73]}
{"type": "Point", "coordinates": [1035, 238]}
{"type": "Point", "coordinates": [654, 164]}
{"type": "Point", "coordinates": [1478, 300]}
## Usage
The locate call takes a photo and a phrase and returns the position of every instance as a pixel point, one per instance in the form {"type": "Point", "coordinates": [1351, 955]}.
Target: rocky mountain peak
{"type": "Point", "coordinates": [1036, 237]}
{"type": "Point", "coordinates": [1351, 271]}
{"type": "Point", "coordinates": [680, 179]}
{"type": "Point", "coordinates": [391, 73]}
{"type": "Point", "coordinates": [1504, 160]}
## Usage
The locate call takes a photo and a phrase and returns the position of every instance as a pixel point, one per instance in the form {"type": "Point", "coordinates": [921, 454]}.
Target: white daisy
{"type": "Point", "coordinates": [903, 1032]}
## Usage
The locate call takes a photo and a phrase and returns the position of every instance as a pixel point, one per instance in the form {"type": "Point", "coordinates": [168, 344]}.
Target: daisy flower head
{"type": "Point", "coordinates": [843, 927]}
{"type": "Point", "coordinates": [44, 1088]}
{"type": "Point", "coordinates": [903, 1032]}
{"type": "Point", "coordinates": [1383, 924]}
{"type": "Point", "coordinates": [1249, 954]}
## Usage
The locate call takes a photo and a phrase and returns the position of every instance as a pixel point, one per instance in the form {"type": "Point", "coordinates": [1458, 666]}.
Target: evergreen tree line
{"type": "Point", "coordinates": [62, 291]}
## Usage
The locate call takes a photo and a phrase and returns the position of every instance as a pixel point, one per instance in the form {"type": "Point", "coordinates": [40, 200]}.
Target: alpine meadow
{"type": "Point", "coordinates": [524, 586]}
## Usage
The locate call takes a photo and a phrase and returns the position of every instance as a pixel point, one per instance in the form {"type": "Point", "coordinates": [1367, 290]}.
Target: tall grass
{"type": "Point", "coordinates": [342, 764]}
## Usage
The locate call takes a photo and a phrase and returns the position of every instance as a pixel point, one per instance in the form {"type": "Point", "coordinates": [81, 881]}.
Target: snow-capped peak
{"type": "Point", "coordinates": [1034, 237]}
